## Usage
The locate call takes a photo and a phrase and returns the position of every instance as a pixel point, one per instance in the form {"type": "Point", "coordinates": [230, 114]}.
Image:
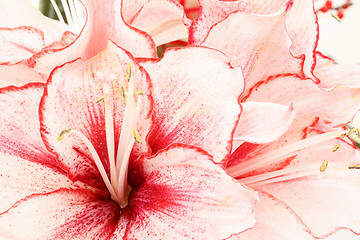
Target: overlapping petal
{"type": "Point", "coordinates": [265, 41]}
{"type": "Point", "coordinates": [70, 102]}
{"type": "Point", "coordinates": [275, 220]}
{"type": "Point", "coordinates": [195, 100]}
{"type": "Point", "coordinates": [185, 195]}
{"type": "Point", "coordinates": [263, 122]}
{"type": "Point", "coordinates": [19, 13]}
{"type": "Point", "coordinates": [163, 20]}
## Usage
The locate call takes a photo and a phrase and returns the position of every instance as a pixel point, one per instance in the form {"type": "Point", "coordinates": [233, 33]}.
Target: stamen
{"type": "Point", "coordinates": [62, 134]}
{"type": "Point", "coordinates": [136, 136]}
{"type": "Point", "coordinates": [98, 163]}
{"type": "Point", "coordinates": [324, 166]}
{"type": "Point", "coordinates": [280, 154]}
{"type": "Point", "coordinates": [337, 146]}
{"type": "Point", "coordinates": [109, 126]}
{"type": "Point", "coordinates": [279, 175]}
{"type": "Point", "coordinates": [100, 99]}
{"type": "Point", "coordinates": [354, 166]}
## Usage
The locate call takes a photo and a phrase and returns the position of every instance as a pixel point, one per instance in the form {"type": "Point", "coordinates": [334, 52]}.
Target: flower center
{"type": "Point", "coordinates": [116, 181]}
{"type": "Point", "coordinates": [280, 154]}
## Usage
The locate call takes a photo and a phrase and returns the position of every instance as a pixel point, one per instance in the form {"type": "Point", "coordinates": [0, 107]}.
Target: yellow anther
{"type": "Point", "coordinates": [354, 166]}
{"type": "Point", "coordinates": [324, 166]}
{"type": "Point", "coordinates": [62, 134]}
{"type": "Point", "coordinates": [123, 95]}
{"type": "Point", "coordinates": [337, 146]}
{"type": "Point", "coordinates": [352, 131]}
{"type": "Point", "coordinates": [343, 135]}
{"type": "Point", "coordinates": [138, 93]}
{"type": "Point", "coordinates": [128, 72]}
{"type": "Point", "coordinates": [358, 132]}
{"type": "Point", "coordinates": [99, 99]}
{"type": "Point", "coordinates": [136, 136]}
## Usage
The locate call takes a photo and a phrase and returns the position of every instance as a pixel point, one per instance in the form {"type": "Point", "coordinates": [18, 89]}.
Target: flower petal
{"type": "Point", "coordinates": [214, 11]}
{"type": "Point", "coordinates": [195, 100]}
{"type": "Point", "coordinates": [163, 20]}
{"type": "Point", "coordinates": [63, 214]}
{"type": "Point", "coordinates": [274, 220]}
{"type": "Point", "coordinates": [334, 75]}
{"type": "Point", "coordinates": [70, 102]}
{"type": "Point", "coordinates": [20, 136]}
{"type": "Point", "coordinates": [22, 177]}
{"type": "Point", "coordinates": [19, 43]}
{"type": "Point", "coordinates": [250, 41]}
{"type": "Point", "coordinates": [184, 195]}
{"type": "Point", "coordinates": [18, 13]}
{"type": "Point", "coordinates": [263, 122]}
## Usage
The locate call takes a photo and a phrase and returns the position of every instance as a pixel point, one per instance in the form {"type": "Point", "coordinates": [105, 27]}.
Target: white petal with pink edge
{"type": "Point", "coordinates": [163, 20]}
{"type": "Point", "coordinates": [62, 214]}
{"type": "Point", "coordinates": [17, 13]}
{"type": "Point", "coordinates": [195, 100]}
{"type": "Point", "coordinates": [184, 195]}
{"type": "Point", "coordinates": [263, 122]}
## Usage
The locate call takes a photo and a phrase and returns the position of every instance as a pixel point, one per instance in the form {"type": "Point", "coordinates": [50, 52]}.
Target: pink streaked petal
{"type": "Point", "coordinates": [69, 102]}
{"type": "Point", "coordinates": [19, 43]}
{"type": "Point", "coordinates": [256, 43]}
{"type": "Point", "coordinates": [274, 220]}
{"type": "Point", "coordinates": [18, 13]}
{"type": "Point", "coordinates": [20, 135]}
{"type": "Point", "coordinates": [195, 100]}
{"type": "Point", "coordinates": [214, 11]}
{"type": "Point", "coordinates": [184, 195]}
{"type": "Point", "coordinates": [325, 201]}
{"type": "Point", "coordinates": [62, 214]}
{"type": "Point", "coordinates": [164, 20]}
{"type": "Point", "coordinates": [263, 122]}
{"type": "Point", "coordinates": [21, 177]}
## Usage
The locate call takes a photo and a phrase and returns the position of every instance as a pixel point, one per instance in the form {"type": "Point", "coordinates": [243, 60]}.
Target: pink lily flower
{"type": "Point", "coordinates": [84, 170]}
{"type": "Point", "coordinates": [277, 51]}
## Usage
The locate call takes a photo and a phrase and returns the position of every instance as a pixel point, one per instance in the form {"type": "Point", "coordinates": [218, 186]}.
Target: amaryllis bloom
{"type": "Point", "coordinates": [76, 164]}
{"type": "Point", "coordinates": [32, 45]}
{"type": "Point", "coordinates": [274, 42]}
